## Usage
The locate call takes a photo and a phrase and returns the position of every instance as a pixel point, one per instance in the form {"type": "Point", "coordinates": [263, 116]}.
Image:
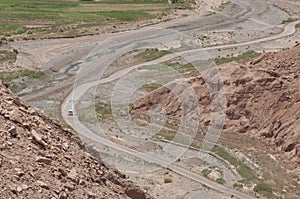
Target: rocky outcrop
{"type": "Point", "coordinates": [41, 159]}
{"type": "Point", "coordinates": [263, 99]}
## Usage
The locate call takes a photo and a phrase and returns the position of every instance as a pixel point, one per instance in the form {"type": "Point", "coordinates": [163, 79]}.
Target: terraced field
{"type": "Point", "coordinates": [27, 19]}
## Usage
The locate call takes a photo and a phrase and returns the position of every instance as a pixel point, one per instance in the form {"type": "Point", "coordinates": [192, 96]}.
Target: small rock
{"type": "Point", "coordinates": [19, 172]}
{"type": "Point", "coordinates": [19, 189]}
{"type": "Point", "coordinates": [73, 175]}
{"type": "Point", "coordinates": [65, 146]}
{"type": "Point", "coordinates": [31, 111]}
{"type": "Point", "coordinates": [43, 159]}
{"type": "Point", "coordinates": [31, 173]}
{"type": "Point", "coordinates": [13, 131]}
{"type": "Point", "coordinates": [81, 182]}
{"type": "Point", "coordinates": [135, 193]}
{"type": "Point", "coordinates": [168, 179]}
{"type": "Point", "coordinates": [13, 188]}
{"type": "Point", "coordinates": [24, 186]}
{"type": "Point", "coordinates": [42, 184]}
{"type": "Point", "coordinates": [37, 138]}
{"type": "Point", "coordinates": [9, 143]}
{"type": "Point", "coordinates": [91, 195]}
{"type": "Point", "coordinates": [70, 187]}
{"type": "Point", "coordinates": [13, 115]}
{"type": "Point", "coordinates": [2, 146]}
{"type": "Point", "coordinates": [63, 172]}
{"type": "Point", "coordinates": [63, 195]}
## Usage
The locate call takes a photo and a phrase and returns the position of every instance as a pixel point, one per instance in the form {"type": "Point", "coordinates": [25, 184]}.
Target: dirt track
{"type": "Point", "coordinates": [58, 55]}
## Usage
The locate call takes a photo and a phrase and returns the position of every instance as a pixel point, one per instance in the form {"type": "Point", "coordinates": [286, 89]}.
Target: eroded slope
{"type": "Point", "coordinates": [263, 99]}
{"type": "Point", "coordinates": [41, 159]}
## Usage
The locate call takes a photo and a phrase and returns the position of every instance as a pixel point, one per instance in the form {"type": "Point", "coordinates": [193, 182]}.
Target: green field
{"type": "Point", "coordinates": [30, 19]}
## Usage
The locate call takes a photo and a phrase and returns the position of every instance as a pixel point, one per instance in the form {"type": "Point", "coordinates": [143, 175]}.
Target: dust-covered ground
{"type": "Point", "coordinates": [211, 23]}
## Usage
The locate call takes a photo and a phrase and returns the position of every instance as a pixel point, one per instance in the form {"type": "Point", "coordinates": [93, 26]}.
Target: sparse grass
{"type": "Point", "coordinates": [187, 70]}
{"type": "Point", "coordinates": [298, 25]}
{"type": "Point", "coordinates": [17, 87]}
{"type": "Point", "coordinates": [151, 87]}
{"type": "Point", "coordinates": [7, 56]}
{"type": "Point", "coordinates": [220, 181]}
{"type": "Point", "coordinates": [247, 55]}
{"type": "Point", "coordinates": [167, 136]}
{"type": "Point", "coordinates": [210, 14]}
{"type": "Point", "coordinates": [65, 125]}
{"type": "Point", "coordinates": [31, 74]}
{"type": "Point", "coordinates": [180, 5]}
{"type": "Point", "coordinates": [196, 145]}
{"type": "Point", "coordinates": [151, 54]}
{"type": "Point", "coordinates": [9, 78]}
{"type": "Point", "coordinates": [289, 20]}
{"type": "Point", "coordinates": [238, 185]}
{"type": "Point", "coordinates": [243, 169]}
{"type": "Point", "coordinates": [224, 4]}
{"type": "Point", "coordinates": [103, 110]}
{"type": "Point", "coordinates": [206, 172]}
{"type": "Point", "coordinates": [265, 189]}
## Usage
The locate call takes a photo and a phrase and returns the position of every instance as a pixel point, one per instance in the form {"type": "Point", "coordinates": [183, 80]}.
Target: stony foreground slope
{"type": "Point", "coordinates": [263, 99]}
{"type": "Point", "coordinates": [40, 159]}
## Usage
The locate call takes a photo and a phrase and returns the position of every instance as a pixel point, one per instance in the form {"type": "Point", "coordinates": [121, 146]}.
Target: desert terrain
{"type": "Point", "coordinates": [189, 100]}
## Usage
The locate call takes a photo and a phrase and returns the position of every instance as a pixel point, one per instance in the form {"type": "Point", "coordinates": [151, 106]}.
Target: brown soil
{"type": "Point", "coordinates": [263, 100]}
{"type": "Point", "coordinates": [41, 159]}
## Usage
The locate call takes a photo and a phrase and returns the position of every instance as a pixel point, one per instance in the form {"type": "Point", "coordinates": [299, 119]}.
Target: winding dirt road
{"type": "Point", "coordinates": [103, 55]}
{"type": "Point", "coordinates": [104, 52]}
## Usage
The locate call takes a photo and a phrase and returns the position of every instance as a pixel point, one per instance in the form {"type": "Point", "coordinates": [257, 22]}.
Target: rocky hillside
{"type": "Point", "coordinates": [40, 159]}
{"type": "Point", "coordinates": [263, 99]}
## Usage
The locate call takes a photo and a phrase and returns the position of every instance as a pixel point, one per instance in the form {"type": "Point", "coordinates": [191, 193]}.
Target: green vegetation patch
{"type": "Point", "coordinates": [151, 87]}
{"type": "Point", "coordinates": [265, 189]}
{"type": "Point", "coordinates": [151, 54]}
{"type": "Point", "coordinates": [187, 70]}
{"type": "Point", "coordinates": [125, 15]}
{"type": "Point", "coordinates": [127, 2]}
{"type": "Point", "coordinates": [31, 74]}
{"type": "Point", "coordinates": [167, 136]}
{"type": "Point", "coordinates": [298, 25]}
{"type": "Point", "coordinates": [289, 20]}
{"type": "Point", "coordinates": [247, 55]}
{"type": "Point", "coordinates": [206, 172]}
{"type": "Point", "coordinates": [243, 169]}
{"type": "Point", "coordinates": [19, 16]}
{"type": "Point", "coordinates": [224, 4]}
{"type": "Point", "coordinates": [238, 185]}
{"type": "Point", "coordinates": [7, 56]}
{"type": "Point", "coordinates": [220, 181]}
{"type": "Point", "coordinates": [103, 110]}
{"type": "Point", "coordinates": [4, 26]}
{"type": "Point", "coordinates": [89, 17]}
{"type": "Point", "coordinates": [9, 78]}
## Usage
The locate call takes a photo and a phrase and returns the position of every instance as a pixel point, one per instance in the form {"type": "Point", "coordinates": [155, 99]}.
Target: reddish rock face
{"type": "Point", "coordinates": [263, 98]}
{"type": "Point", "coordinates": [41, 159]}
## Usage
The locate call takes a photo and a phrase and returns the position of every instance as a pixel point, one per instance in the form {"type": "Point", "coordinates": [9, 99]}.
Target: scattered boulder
{"type": "Point", "coordinates": [41, 159]}
{"type": "Point", "coordinates": [168, 179]}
